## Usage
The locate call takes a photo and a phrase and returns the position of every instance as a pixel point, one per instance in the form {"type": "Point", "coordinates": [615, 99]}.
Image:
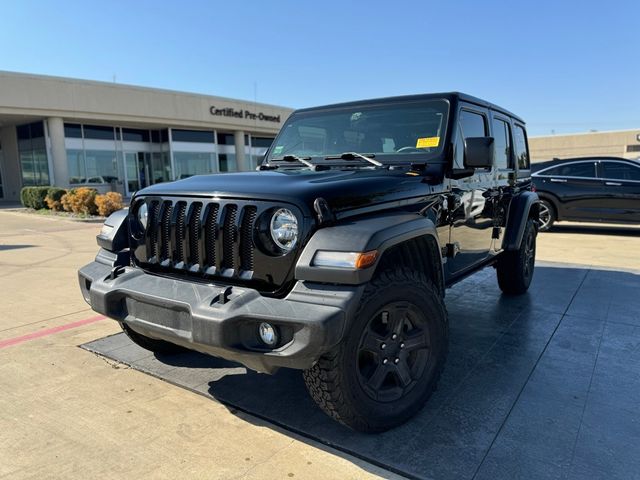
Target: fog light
{"type": "Point", "coordinates": [268, 334]}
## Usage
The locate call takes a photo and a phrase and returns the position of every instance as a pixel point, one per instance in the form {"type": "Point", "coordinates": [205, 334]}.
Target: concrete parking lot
{"type": "Point", "coordinates": [544, 386]}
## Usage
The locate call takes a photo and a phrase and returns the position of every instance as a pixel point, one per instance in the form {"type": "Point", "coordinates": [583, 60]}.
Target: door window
{"type": "Point", "coordinates": [470, 125]}
{"type": "Point", "coordinates": [522, 153]}
{"type": "Point", "coordinates": [619, 171]}
{"type": "Point", "coordinates": [581, 169]}
{"type": "Point", "coordinates": [502, 143]}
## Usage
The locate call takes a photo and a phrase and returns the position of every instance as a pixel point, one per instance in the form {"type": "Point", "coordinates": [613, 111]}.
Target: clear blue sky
{"type": "Point", "coordinates": [566, 66]}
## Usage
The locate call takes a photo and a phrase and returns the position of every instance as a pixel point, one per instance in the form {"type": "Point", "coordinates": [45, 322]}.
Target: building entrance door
{"type": "Point", "coordinates": [139, 171]}
{"type": "Point", "coordinates": [132, 178]}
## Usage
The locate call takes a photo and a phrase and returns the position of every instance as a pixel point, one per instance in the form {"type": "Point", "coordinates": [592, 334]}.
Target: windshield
{"type": "Point", "coordinates": [392, 132]}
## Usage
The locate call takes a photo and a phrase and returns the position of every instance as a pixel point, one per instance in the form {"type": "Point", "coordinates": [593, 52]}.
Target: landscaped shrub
{"type": "Point", "coordinates": [65, 200]}
{"type": "Point", "coordinates": [54, 194]}
{"type": "Point", "coordinates": [34, 197]}
{"type": "Point", "coordinates": [108, 203]}
{"type": "Point", "coordinates": [80, 200]}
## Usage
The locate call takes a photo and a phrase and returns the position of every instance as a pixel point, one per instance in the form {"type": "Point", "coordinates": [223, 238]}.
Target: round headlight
{"type": "Point", "coordinates": [284, 229]}
{"type": "Point", "coordinates": [143, 215]}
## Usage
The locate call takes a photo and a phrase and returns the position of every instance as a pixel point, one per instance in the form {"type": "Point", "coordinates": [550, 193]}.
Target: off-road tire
{"type": "Point", "coordinates": [515, 268]}
{"type": "Point", "coordinates": [156, 346]}
{"type": "Point", "coordinates": [334, 382]}
{"type": "Point", "coordinates": [547, 215]}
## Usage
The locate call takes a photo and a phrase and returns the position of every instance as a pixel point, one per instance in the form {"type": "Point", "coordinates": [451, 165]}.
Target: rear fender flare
{"type": "Point", "coordinates": [519, 212]}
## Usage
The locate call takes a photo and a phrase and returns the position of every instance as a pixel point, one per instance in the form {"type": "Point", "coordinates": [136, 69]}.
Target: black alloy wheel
{"type": "Point", "coordinates": [393, 352]}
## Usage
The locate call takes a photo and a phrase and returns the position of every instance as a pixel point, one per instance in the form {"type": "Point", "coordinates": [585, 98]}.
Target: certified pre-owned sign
{"type": "Point", "coordinates": [230, 112]}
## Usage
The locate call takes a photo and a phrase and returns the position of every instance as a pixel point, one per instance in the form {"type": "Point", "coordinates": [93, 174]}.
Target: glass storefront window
{"type": "Point", "coordinates": [160, 167]}
{"type": "Point", "coordinates": [72, 130]}
{"type": "Point", "coordinates": [227, 162]}
{"type": "Point", "coordinates": [226, 139]}
{"type": "Point", "coordinates": [75, 161]}
{"type": "Point", "coordinates": [33, 154]}
{"type": "Point", "coordinates": [262, 142]}
{"type": "Point", "coordinates": [192, 163]}
{"type": "Point", "coordinates": [194, 136]}
{"type": "Point", "coordinates": [135, 135]}
{"type": "Point", "coordinates": [98, 132]}
{"type": "Point", "coordinates": [101, 166]}
{"type": "Point", "coordinates": [35, 168]}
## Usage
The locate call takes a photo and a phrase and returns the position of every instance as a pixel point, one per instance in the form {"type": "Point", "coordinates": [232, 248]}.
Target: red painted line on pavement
{"type": "Point", "coordinates": [49, 331]}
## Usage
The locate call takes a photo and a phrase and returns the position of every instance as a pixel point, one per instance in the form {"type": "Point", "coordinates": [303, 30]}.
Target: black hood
{"type": "Point", "coordinates": [342, 189]}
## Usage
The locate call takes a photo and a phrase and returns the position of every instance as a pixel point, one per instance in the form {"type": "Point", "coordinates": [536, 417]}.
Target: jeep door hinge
{"type": "Point", "coordinates": [452, 249]}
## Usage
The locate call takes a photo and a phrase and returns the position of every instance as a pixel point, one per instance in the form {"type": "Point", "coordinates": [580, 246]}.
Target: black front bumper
{"type": "Point", "coordinates": [198, 316]}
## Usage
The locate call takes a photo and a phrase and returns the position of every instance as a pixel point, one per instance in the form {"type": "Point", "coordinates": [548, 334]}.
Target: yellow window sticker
{"type": "Point", "coordinates": [427, 142]}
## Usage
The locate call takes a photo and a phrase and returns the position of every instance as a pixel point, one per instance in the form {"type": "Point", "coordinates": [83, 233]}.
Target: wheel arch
{"type": "Point", "coordinates": [524, 206]}
{"type": "Point", "coordinates": [418, 253]}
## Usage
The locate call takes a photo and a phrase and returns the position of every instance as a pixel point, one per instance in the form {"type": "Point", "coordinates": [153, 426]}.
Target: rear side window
{"type": "Point", "coordinates": [502, 143]}
{"type": "Point", "coordinates": [582, 169]}
{"type": "Point", "coordinates": [619, 171]}
{"type": "Point", "coordinates": [522, 154]}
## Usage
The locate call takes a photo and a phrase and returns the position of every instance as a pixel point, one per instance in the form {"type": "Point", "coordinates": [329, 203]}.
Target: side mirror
{"type": "Point", "coordinates": [478, 152]}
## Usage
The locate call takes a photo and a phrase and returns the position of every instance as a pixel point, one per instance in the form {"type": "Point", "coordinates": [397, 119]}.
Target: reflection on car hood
{"type": "Point", "coordinates": [343, 189]}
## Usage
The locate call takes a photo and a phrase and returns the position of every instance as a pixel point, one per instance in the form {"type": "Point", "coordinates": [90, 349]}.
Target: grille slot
{"type": "Point", "coordinates": [152, 232]}
{"type": "Point", "coordinates": [195, 226]}
{"type": "Point", "coordinates": [246, 238]}
{"type": "Point", "coordinates": [211, 234]}
{"type": "Point", "coordinates": [230, 233]}
{"type": "Point", "coordinates": [179, 233]}
{"type": "Point", "coordinates": [165, 231]}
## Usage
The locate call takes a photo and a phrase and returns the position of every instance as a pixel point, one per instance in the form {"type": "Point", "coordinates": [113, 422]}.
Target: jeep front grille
{"type": "Point", "coordinates": [207, 237]}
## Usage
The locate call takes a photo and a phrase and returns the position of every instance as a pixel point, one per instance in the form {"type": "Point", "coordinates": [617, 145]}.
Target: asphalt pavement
{"type": "Point", "coordinates": [541, 386]}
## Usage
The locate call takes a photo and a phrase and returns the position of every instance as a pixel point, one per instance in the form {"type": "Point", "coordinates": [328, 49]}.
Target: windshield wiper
{"type": "Point", "coordinates": [356, 155]}
{"type": "Point", "coordinates": [295, 158]}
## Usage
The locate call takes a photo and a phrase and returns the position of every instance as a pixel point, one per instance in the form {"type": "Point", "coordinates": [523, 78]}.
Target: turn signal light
{"type": "Point", "coordinates": [366, 259]}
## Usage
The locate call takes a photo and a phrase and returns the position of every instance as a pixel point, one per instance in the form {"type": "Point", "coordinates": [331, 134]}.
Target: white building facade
{"type": "Point", "coordinates": [67, 132]}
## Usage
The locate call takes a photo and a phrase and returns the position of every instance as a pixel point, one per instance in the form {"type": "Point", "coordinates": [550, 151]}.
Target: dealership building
{"type": "Point", "coordinates": [67, 132]}
{"type": "Point", "coordinates": [618, 143]}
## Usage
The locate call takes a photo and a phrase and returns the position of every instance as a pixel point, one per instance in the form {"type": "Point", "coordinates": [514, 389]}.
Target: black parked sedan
{"type": "Point", "coordinates": [591, 189]}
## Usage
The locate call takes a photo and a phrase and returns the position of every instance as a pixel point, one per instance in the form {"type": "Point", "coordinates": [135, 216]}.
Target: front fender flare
{"type": "Point", "coordinates": [114, 235]}
{"type": "Point", "coordinates": [519, 212]}
{"type": "Point", "coordinates": [360, 235]}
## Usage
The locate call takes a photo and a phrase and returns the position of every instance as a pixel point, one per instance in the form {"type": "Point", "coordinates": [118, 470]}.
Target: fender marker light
{"type": "Point", "coordinates": [354, 260]}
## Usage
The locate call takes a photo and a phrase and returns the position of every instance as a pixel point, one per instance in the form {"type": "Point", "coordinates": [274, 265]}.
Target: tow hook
{"type": "Point", "coordinates": [116, 272]}
{"type": "Point", "coordinates": [223, 296]}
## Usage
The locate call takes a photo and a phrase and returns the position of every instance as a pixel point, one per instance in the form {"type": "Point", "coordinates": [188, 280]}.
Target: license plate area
{"type": "Point", "coordinates": [169, 317]}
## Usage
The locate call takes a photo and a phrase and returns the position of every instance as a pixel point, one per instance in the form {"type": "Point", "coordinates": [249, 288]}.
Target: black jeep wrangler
{"type": "Point", "coordinates": [334, 257]}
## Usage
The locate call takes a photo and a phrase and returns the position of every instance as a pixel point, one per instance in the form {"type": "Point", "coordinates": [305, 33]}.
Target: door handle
{"type": "Point", "coordinates": [613, 184]}
{"type": "Point", "coordinates": [559, 180]}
